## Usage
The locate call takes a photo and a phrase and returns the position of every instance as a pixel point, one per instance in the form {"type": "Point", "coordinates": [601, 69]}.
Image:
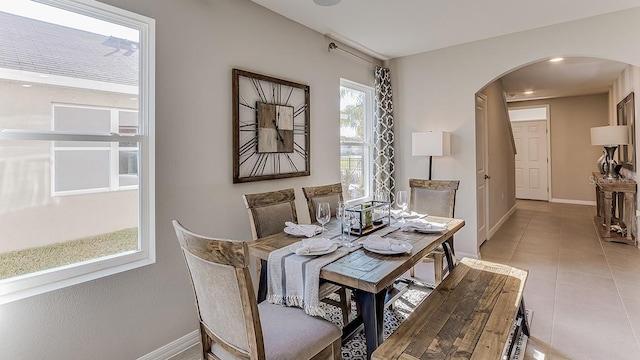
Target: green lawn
{"type": "Point", "coordinates": [70, 252]}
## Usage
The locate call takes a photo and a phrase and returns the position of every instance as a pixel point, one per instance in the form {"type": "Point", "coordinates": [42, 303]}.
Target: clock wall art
{"type": "Point", "coordinates": [270, 128]}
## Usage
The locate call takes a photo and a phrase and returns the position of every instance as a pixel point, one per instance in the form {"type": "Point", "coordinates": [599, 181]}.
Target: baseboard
{"type": "Point", "coordinates": [575, 202]}
{"type": "Point", "coordinates": [460, 255]}
{"type": "Point", "coordinates": [175, 347]}
{"type": "Point", "coordinates": [499, 224]}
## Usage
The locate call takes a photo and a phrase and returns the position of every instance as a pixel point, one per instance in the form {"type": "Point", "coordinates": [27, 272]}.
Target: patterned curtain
{"type": "Point", "coordinates": [383, 157]}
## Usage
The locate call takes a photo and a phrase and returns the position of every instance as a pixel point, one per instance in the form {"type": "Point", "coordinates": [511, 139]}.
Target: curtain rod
{"type": "Point", "coordinates": [333, 46]}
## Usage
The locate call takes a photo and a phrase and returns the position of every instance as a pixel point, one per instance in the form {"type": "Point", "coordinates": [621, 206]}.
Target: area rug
{"type": "Point", "coordinates": [355, 349]}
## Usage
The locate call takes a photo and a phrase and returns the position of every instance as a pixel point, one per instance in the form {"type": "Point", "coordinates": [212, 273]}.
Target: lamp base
{"type": "Point", "coordinates": [611, 164]}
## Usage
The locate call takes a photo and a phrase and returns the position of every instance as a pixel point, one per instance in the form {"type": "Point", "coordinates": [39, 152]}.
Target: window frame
{"type": "Point", "coordinates": [23, 286]}
{"type": "Point", "coordinates": [367, 143]}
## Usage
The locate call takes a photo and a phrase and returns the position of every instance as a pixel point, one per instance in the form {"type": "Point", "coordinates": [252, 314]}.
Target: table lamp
{"type": "Point", "coordinates": [610, 137]}
{"type": "Point", "coordinates": [432, 143]}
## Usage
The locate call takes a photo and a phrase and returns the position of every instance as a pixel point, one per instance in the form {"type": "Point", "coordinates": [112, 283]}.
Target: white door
{"type": "Point", "coordinates": [482, 190]}
{"type": "Point", "coordinates": [531, 159]}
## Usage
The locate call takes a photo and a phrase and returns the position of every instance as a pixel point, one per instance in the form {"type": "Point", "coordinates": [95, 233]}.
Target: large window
{"type": "Point", "coordinates": [76, 144]}
{"type": "Point", "coordinates": [356, 129]}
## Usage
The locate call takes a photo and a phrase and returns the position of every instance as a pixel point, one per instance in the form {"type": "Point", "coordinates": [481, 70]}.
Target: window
{"type": "Point", "coordinates": [76, 144]}
{"type": "Point", "coordinates": [356, 133]}
{"type": "Point", "coordinates": [85, 168]}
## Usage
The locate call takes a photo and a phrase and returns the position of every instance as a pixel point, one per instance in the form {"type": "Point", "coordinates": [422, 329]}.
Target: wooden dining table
{"type": "Point", "coordinates": [369, 275]}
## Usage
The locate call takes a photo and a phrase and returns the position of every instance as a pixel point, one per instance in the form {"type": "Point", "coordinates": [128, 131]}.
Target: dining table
{"type": "Point", "coordinates": [368, 274]}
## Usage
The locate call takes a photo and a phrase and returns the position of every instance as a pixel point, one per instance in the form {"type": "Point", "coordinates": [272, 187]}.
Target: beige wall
{"type": "Point", "coordinates": [572, 157]}
{"type": "Point", "coordinates": [127, 315]}
{"type": "Point", "coordinates": [501, 164]}
{"type": "Point", "coordinates": [437, 89]}
{"type": "Point", "coordinates": [26, 200]}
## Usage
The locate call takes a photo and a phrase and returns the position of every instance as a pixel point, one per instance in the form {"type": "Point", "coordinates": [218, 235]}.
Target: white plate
{"type": "Point", "coordinates": [294, 232]}
{"type": "Point", "coordinates": [294, 247]}
{"type": "Point", "coordinates": [429, 231]}
{"type": "Point", "coordinates": [406, 245]}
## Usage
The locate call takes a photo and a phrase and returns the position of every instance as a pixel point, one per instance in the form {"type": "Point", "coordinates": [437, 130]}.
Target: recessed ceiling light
{"type": "Point", "coordinates": [326, 2]}
{"type": "Point", "coordinates": [558, 59]}
{"type": "Point", "coordinates": [26, 85]}
{"type": "Point", "coordinates": [528, 92]}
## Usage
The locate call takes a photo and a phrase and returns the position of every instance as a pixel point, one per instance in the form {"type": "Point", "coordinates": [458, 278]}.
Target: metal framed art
{"type": "Point", "coordinates": [270, 128]}
{"type": "Point", "coordinates": [626, 116]}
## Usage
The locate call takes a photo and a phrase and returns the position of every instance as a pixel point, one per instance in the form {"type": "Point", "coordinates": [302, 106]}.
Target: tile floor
{"type": "Point", "coordinates": [585, 294]}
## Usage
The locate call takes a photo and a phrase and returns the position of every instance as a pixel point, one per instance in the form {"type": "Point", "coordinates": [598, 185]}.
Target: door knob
{"type": "Point", "coordinates": [487, 177]}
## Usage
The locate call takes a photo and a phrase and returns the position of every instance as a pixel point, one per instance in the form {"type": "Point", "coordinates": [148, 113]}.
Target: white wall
{"type": "Point", "coordinates": [128, 315]}
{"type": "Point", "coordinates": [435, 91]}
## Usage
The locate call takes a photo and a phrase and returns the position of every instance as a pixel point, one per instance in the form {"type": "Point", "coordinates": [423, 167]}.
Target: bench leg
{"type": "Point", "coordinates": [523, 313]}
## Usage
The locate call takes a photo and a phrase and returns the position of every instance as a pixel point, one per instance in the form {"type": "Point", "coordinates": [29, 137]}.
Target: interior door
{"type": "Point", "coordinates": [531, 159]}
{"type": "Point", "coordinates": [482, 151]}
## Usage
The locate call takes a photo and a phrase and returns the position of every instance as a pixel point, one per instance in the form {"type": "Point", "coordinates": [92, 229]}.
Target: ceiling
{"type": "Point", "coordinates": [375, 26]}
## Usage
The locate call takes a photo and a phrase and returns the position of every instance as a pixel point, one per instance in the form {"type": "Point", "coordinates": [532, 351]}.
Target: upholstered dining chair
{"type": "Point", "coordinates": [268, 212]}
{"type": "Point", "coordinates": [437, 198]}
{"type": "Point", "coordinates": [232, 324]}
{"type": "Point", "coordinates": [326, 193]}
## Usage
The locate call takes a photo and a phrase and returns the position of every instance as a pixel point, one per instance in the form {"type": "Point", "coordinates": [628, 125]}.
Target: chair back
{"type": "Point", "coordinates": [433, 197]}
{"type": "Point", "coordinates": [226, 302]}
{"type": "Point", "coordinates": [325, 193]}
{"type": "Point", "coordinates": [269, 211]}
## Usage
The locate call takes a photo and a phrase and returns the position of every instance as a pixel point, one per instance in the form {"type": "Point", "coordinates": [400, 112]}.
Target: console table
{"type": "Point", "coordinates": [615, 204]}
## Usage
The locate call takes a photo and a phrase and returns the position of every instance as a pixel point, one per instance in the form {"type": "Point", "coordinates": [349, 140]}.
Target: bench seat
{"type": "Point", "coordinates": [469, 315]}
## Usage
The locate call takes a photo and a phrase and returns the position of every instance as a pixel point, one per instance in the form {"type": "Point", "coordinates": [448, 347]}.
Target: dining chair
{"type": "Point", "coordinates": [232, 323]}
{"type": "Point", "coordinates": [437, 198]}
{"type": "Point", "coordinates": [268, 212]}
{"type": "Point", "coordinates": [324, 193]}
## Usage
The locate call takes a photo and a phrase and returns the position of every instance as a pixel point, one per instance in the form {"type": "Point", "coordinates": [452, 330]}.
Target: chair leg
{"type": "Point", "coordinates": [412, 272]}
{"type": "Point", "coordinates": [345, 305]}
{"type": "Point", "coordinates": [438, 262]}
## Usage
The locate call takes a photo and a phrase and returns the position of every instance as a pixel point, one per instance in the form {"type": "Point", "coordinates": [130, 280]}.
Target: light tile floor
{"type": "Point", "coordinates": [585, 294]}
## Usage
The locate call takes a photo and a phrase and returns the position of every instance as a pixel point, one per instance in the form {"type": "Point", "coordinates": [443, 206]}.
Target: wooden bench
{"type": "Point", "coordinates": [468, 316]}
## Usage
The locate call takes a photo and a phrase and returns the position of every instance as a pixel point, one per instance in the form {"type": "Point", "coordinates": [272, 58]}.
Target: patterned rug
{"type": "Point", "coordinates": [355, 349]}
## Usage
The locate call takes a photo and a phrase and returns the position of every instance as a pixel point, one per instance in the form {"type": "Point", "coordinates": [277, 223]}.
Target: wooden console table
{"type": "Point", "coordinates": [615, 200]}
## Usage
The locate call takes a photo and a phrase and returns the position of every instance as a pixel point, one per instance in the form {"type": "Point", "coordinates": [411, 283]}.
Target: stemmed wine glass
{"type": "Point", "coordinates": [323, 214]}
{"type": "Point", "coordinates": [340, 210]}
{"type": "Point", "coordinates": [402, 200]}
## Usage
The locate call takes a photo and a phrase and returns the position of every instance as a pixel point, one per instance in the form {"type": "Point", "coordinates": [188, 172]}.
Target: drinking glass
{"type": "Point", "coordinates": [346, 220]}
{"type": "Point", "coordinates": [323, 214]}
{"type": "Point", "coordinates": [382, 209]}
{"type": "Point", "coordinates": [402, 200]}
{"type": "Point", "coordinates": [340, 210]}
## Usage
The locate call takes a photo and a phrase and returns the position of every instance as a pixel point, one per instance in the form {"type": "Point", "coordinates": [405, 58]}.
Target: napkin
{"type": "Point", "coordinates": [377, 242]}
{"type": "Point", "coordinates": [314, 245]}
{"type": "Point", "coordinates": [399, 214]}
{"type": "Point", "coordinates": [306, 230]}
{"type": "Point", "coordinates": [423, 225]}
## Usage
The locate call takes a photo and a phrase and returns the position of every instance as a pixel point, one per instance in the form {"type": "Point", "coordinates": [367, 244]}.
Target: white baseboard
{"type": "Point", "coordinates": [460, 255]}
{"type": "Point", "coordinates": [575, 202]}
{"type": "Point", "coordinates": [175, 347]}
{"type": "Point", "coordinates": [499, 224]}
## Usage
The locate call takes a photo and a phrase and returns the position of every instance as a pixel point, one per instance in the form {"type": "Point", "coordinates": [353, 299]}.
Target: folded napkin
{"type": "Point", "coordinates": [377, 242]}
{"type": "Point", "coordinates": [423, 225]}
{"type": "Point", "coordinates": [399, 214]}
{"type": "Point", "coordinates": [314, 245]}
{"type": "Point", "coordinates": [306, 230]}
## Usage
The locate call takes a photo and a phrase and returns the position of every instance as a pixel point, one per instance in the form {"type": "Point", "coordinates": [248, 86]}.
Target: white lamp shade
{"type": "Point", "coordinates": [432, 143]}
{"type": "Point", "coordinates": [609, 135]}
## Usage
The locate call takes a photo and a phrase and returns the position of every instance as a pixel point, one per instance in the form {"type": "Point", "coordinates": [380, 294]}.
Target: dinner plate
{"type": "Point", "coordinates": [429, 231]}
{"type": "Point", "coordinates": [406, 245]}
{"type": "Point", "coordinates": [294, 247]}
{"type": "Point", "coordinates": [294, 232]}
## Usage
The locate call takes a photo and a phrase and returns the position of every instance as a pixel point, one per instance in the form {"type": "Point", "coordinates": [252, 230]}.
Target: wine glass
{"type": "Point", "coordinates": [382, 208]}
{"type": "Point", "coordinates": [402, 200]}
{"type": "Point", "coordinates": [340, 210]}
{"type": "Point", "coordinates": [323, 214]}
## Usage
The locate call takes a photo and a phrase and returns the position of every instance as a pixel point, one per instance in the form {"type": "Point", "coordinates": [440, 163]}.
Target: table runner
{"type": "Point", "coordinates": [294, 280]}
